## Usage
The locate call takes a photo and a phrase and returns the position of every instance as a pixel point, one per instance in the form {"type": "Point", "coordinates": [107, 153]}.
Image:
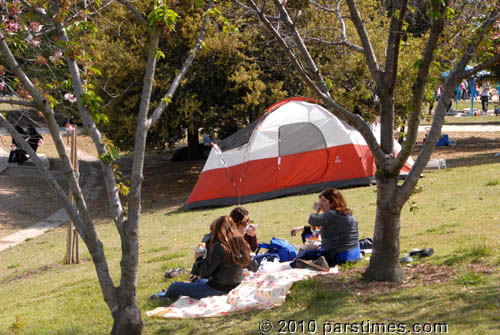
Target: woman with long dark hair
{"type": "Point", "coordinates": [339, 229]}
{"type": "Point", "coordinates": [241, 218]}
{"type": "Point", "coordinates": [222, 268]}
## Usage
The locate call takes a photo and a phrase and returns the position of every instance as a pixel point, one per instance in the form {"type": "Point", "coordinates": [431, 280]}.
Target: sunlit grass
{"type": "Point", "coordinates": [458, 217]}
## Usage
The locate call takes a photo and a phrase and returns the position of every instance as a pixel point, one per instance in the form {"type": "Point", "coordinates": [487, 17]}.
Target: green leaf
{"type": "Point", "coordinates": [111, 152]}
{"type": "Point", "coordinates": [94, 70]}
{"type": "Point", "coordinates": [160, 54]}
{"type": "Point", "coordinates": [328, 83]}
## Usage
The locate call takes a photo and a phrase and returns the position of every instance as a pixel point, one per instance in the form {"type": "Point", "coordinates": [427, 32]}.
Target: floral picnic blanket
{"type": "Point", "coordinates": [267, 288]}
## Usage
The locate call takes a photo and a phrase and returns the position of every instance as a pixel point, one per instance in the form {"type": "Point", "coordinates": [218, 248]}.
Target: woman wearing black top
{"type": "Point", "coordinates": [222, 269]}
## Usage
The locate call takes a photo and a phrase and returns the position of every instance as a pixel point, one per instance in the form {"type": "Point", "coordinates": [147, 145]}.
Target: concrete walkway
{"type": "Point", "coordinates": [465, 128]}
{"type": "Point", "coordinates": [90, 189]}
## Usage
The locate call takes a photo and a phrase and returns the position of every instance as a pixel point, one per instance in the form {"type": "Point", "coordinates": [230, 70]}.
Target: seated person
{"type": "Point", "coordinates": [242, 221]}
{"type": "Point", "coordinates": [221, 270]}
{"type": "Point", "coordinates": [17, 154]}
{"type": "Point", "coordinates": [339, 230]}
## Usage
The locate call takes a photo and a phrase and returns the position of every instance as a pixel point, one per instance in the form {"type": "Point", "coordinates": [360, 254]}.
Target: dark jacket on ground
{"type": "Point", "coordinates": [221, 276]}
{"type": "Point", "coordinates": [338, 233]}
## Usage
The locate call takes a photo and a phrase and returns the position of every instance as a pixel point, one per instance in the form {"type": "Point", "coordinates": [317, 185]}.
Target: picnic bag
{"type": "Point", "coordinates": [277, 248]}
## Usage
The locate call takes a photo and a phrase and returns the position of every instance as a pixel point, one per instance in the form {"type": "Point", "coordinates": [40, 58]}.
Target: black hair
{"type": "Point", "coordinates": [238, 214]}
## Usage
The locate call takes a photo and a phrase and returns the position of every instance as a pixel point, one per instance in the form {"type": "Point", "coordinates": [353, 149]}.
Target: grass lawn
{"type": "Point", "coordinates": [456, 214]}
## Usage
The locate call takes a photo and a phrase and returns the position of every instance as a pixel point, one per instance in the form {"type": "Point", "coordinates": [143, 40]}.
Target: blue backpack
{"type": "Point", "coordinates": [278, 248]}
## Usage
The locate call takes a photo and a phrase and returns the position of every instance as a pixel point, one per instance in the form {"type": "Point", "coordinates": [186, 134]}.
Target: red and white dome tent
{"type": "Point", "coordinates": [296, 147]}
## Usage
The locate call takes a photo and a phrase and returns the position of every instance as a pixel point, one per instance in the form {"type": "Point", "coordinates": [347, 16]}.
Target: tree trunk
{"type": "Point", "coordinates": [384, 262]}
{"type": "Point", "coordinates": [127, 320]}
{"type": "Point", "coordinates": [193, 143]}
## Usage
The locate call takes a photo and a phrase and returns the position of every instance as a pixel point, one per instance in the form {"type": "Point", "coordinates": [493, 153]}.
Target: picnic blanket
{"type": "Point", "coordinates": [266, 288]}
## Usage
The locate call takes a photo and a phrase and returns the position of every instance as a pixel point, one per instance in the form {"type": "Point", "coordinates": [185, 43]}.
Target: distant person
{"type": "Point", "coordinates": [436, 95]}
{"type": "Point", "coordinates": [464, 90]}
{"type": "Point", "coordinates": [485, 96]}
{"type": "Point", "coordinates": [339, 230]}
{"type": "Point", "coordinates": [222, 268]}
{"type": "Point", "coordinates": [34, 138]}
{"type": "Point", "coordinates": [17, 155]}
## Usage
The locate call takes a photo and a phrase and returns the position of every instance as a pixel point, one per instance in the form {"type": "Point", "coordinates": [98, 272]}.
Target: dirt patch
{"type": "Point", "coordinates": [417, 275]}
{"type": "Point", "coordinates": [30, 273]}
{"type": "Point", "coordinates": [483, 268]}
{"type": "Point", "coordinates": [166, 184]}
{"type": "Point", "coordinates": [34, 272]}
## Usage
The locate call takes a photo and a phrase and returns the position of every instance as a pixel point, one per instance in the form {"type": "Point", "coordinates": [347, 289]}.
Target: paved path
{"type": "Point", "coordinates": [90, 189]}
{"type": "Point", "coordinates": [465, 128]}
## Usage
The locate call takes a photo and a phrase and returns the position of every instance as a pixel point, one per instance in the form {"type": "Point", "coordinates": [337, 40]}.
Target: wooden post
{"type": "Point", "coordinates": [72, 250]}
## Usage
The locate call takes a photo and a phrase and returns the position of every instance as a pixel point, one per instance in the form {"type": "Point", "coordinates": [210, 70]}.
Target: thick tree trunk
{"type": "Point", "coordinates": [127, 321]}
{"type": "Point", "coordinates": [384, 262]}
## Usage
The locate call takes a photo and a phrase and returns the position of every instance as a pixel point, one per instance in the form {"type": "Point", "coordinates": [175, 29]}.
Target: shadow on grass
{"type": "Point", "coordinates": [473, 160]}
{"type": "Point", "coordinates": [453, 304]}
{"type": "Point", "coordinates": [464, 309]}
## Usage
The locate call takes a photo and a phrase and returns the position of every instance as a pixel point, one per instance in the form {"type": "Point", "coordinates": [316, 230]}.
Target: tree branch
{"type": "Point", "coordinates": [84, 223]}
{"type": "Point", "coordinates": [288, 51]}
{"type": "Point", "coordinates": [326, 9]}
{"type": "Point", "coordinates": [456, 75]}
{"type": "Point", "coordinates": [318, 85]}
{"type": "Point", "coordinates": [311, 67]}
{"type": "Point", "coordinates": [343, 43]}
{"type": "Point", "coordinates": [187, 63]}
{"type": "Point", "coordinates": [113, 196]}
{"type": "Point", "coordinates": [371, 59]}
{"type": "Point", "coordinates": [17, 102]}
{"type": "Point", "coordinates": [138, 15]}
{"type": "Point", "coordinates": [393, 45]}
{"type": "Point", "coordinates": [419, 91]}
{"type": "Point", "coordinates": [85, 226]}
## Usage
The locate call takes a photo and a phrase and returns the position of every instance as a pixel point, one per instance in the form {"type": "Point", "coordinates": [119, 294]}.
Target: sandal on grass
{"type": "Point", "coordinates": [158, 296]}
{"type": "Point", "coordinates": [426, 252]}
{"type": "Point", "coordinates": [319, 264]}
